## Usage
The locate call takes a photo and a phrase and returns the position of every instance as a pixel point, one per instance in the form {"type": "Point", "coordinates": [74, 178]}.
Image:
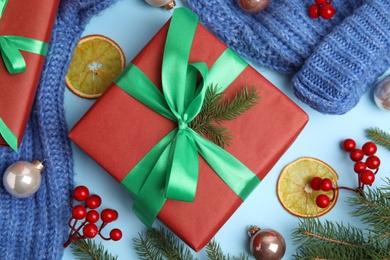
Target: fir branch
{"type": "Point", "coordinates": [214, 252]}
{"type": "Point", "coordinates": [328, 240]}
{"type": "Point", "coordinates": [241, 102]}
{"type": "Point", "coordinates": [215, 110]}
{"type": "Point", "coordinates": [213, 97]}
{"type": "Point", "coordinates": [220, 135]}
{"type": "Point", "coordinates": [145, 249]}
{"type": "Point", "coordinates": [86, 249]}
{"type": "Point", "coordinates": [374, 208]}
{"type": "Point", "coordinates": [379, 137]}
{"type": "Point", "coordinates": [160, 244]}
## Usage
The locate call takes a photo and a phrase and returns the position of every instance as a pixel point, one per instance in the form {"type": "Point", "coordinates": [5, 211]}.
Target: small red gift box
{"type": "Point", "coordinates": [25, 30]}
{"type": "Point", "coordinates": [119, 131]}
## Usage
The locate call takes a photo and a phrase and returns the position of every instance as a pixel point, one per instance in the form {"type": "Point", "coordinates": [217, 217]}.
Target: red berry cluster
{"type": "Point", "coordinates": [324, 184]}
{"type": "Point", "coordinates": [86, 211]}
{"type": "Point", "coordinates": [364, 169]}
{"type": "Point", "coordinates": [321, 8]}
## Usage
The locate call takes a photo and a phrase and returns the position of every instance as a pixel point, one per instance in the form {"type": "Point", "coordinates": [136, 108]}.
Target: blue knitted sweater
{"type": "Point", "coordinates": [333, 61]}
{"type": "Point", "coordinates": [36, 227]}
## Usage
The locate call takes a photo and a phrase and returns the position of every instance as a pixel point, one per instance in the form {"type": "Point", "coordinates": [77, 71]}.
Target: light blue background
{"type": "Point", "coordinates": [132, 24]}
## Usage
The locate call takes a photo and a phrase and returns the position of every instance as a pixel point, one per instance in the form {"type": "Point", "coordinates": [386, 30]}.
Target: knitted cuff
{"type": "Point", "coordinates": [348, 61]}
{"type": "Point", "coordinates": [280, 37]}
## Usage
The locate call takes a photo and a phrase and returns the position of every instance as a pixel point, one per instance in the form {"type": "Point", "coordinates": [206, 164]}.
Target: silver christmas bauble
{"type": "Point", "coordinates": [382, 94]}
{"type": "Point", "coordinates": [22, 179]}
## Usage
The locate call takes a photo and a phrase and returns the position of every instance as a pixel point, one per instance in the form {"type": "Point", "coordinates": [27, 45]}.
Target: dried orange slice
{"type": "Point", "coordinates": [295, 193]}
{"type": "Point", "coordinates": [97, 61]}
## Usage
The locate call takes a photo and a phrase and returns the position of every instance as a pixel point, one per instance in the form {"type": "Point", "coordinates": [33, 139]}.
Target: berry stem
{"type": "Point", "coordinates": [347, 188]}
{"type": "Point", "coordinates": [105, 238]}
{"type": "Point", "coordinates": [74, 232]}
{"type": "Point", "coordinates": [72, 227]}
{"type": "Point", "coordinates": [71, 238]}
{"type": "Point", "coordinates": [102, 226]}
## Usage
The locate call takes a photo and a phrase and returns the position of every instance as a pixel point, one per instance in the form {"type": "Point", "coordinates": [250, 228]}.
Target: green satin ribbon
{"type": "Point", "coordinates": [10, 47]}
{"type": "Point", "coordinates": [3, 4]}
{"type": "Point", "coordinates": [170, 169]}
{"type": "Point", "coordinates": [8, 136]}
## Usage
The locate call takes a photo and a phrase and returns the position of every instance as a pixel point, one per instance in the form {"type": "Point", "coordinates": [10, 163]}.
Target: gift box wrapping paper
{"type": "Point", "coordinates": [34, 20]}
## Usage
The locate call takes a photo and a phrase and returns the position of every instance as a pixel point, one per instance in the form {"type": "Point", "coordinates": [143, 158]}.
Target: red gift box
{"type": "Point", "coordinates": [32, 19]}
{"type": "Point", "coordinates": [118, 131]}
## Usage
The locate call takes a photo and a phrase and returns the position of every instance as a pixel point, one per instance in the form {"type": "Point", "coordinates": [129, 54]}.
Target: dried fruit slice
{"type": "Point", "coordinates": [96, 62]}
{"type": "Point", "coordinates": [295, 193]}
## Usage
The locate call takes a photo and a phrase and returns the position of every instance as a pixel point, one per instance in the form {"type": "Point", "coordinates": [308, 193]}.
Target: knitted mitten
{"type": "Point", "coordinates": [282, 37]}
{"type": "Point", "coordinates": [347, 61]}
{"type": "Point", "coordinates": [36, 227]}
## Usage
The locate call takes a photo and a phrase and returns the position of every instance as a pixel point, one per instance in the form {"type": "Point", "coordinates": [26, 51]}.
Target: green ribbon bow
{"type": "Point", "coordinates": [170, 169]}
{"type": "Point", "coordinates": [10, 47]}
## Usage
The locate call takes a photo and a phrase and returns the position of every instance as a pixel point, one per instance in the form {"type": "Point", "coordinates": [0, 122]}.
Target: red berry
{"type": "Point", "coordinates": [80, 193]}
{"type": "Point", "coordinates": [79, 212]}
{"type": "Point", "coordinates": [314, 11]}
{"type": "Point", "coordinates": [369, 148]}
{"type": "Point", "coordinates": [356, 155]}
{"type": "Point", "coordinates": [116, 234]}
{"type": "Point", "coordinates": [326, 184]}
{"type": "Point", "coordinates": [367, 177]}
{"type": "Point", "coordinates": [322, 201]}
{"type": "Point", "coordinates": [315, 183]}
{"type": "Point", "coordinates": [93, 201]}
{"type": "Point", "coordinates": [109, 215]}
{"type": "Point", "coordinates": [320, 2]}
{"type": "Point", "coordinates": [90, 230]}
{"type": "Point", "coordinates": [373, 162]}
{"type": "Point", "coordinates": [359, 167]}
{"type": "Point", "coordinates": [327, 11]}
{"type": "Point", "coordinates": [349, 145]}
{"type": "Point", "coordinates": [92, 216]}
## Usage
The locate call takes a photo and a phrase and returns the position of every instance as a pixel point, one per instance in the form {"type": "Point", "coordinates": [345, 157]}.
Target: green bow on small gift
{"type": "Point", "coordinates": [10, 47]}
{"type": "Point", "coordinates": [170, 169]}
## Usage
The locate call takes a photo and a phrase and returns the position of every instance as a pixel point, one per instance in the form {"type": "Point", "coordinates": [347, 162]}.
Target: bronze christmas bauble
{"type": "Point", "coordinates": [252, 6]}
{"type": "Point", "coordinates": [266, 244]}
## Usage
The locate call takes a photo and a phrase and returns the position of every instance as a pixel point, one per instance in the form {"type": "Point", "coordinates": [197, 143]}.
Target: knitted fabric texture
{"type": "Point", "coordinates": [36, 227]}
{"type": "Point", "coordinates": [333, 61]}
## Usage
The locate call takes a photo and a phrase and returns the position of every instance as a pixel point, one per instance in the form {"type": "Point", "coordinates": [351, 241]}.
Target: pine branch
{"type": "Point", "coordinates": [86, 249]}
{"type": "Point", "coordinates": [211, 101]}
{"type": "Point", "coordinates": [379, 137]}
{"type": "Point", "coordinates": [328, 240]}
{"type": "Point", "coordinates": [145, 249]}
{"type": "Point", "coordinates": [214, 252]}
{"type": "Point", "coordinates": [374, 208]}
{"type": "Point", "coordinates": [159, 244]}
{"type": "Point", "coordinates": [241, 102]}
{"type": "Point", "coordinates": [215, 110]}
{"type": "Point", "coordinates": [220, 135]}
